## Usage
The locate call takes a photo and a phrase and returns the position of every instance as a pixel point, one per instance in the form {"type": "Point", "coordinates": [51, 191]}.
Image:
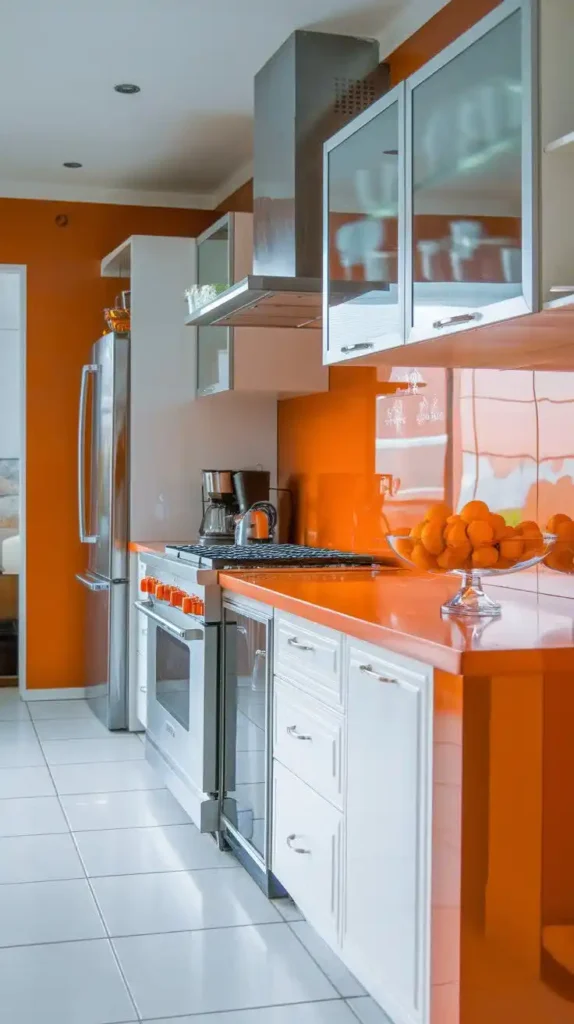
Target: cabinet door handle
{"type": "Point", "coordinates": [292, 730]}
{"type": "Point", "coordinates": [368, 670]}
{"type": "Point", "coordinates": [296, 849]}
{"type": "Point", "coordinates": [359, 346]}
{"type": "Point", "coordinates": [452, 321]}
{"type": "Point", "coordinates": [294, 642]}
{"type": "Point", "coordinates": [143, 689]}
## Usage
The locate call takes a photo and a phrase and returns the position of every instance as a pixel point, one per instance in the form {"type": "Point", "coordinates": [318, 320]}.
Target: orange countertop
{"type": "Point", "coordinates": [400, 610]}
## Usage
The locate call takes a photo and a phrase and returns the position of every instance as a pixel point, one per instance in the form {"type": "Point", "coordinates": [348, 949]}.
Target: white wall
{"type": "Point", "coordinates": [9, 365]}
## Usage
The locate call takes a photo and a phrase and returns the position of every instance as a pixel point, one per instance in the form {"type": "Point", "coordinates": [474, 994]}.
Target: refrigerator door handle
{"type": "Point", "coordinates": [92, 583]}
{"type": "Point", "coordinates": [85, 537]}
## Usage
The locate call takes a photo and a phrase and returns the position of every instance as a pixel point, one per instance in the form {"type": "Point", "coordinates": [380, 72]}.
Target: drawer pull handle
{"type": "Point", "coordinates": [296, 849]}
{"type": "Point", "coordinates": [143, 689]}
{"type": "Point", "coordinates": [368, 670]}
{"type": "Point", "coordinates": [452, 321]}
{"type": "Point", "coordinates": [292, 730]}
{"type": "Point", "coordinates": [294, 642]}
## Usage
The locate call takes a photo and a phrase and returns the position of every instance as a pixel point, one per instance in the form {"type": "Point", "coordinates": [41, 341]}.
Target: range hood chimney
{"type": "Point", "coordinates": [312, 86]}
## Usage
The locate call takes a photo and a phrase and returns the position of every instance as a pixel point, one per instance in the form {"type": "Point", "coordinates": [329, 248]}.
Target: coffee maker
{"type": "Point", "coordinates": [226, 493]}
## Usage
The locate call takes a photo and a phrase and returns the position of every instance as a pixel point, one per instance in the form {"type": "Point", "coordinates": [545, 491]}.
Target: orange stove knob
{"type": "Point", "coordinates": [167, 592]}
{"type": "Point", "coordinates": [176, 598]}
{"type": "Point", "coordinates": [144, 582]}
{"type": "Point", "coordinates": [187, 605]}
{"type": "Point", "coordinates": [201, 608]}
{"type": "Point", "coordinates": [158, 591]}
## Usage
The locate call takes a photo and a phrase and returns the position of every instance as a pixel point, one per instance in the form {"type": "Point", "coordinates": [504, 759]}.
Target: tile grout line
{"type": "Point", "coordinates": [316, 962]}
{"type": "Point", "coordinates": [244, 1009]}
{"type": "Point", "coordinates": [97, 905]}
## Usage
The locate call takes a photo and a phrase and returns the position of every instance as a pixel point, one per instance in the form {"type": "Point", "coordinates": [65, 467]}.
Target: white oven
{"type": "Point", "coordinates": [181, 740]}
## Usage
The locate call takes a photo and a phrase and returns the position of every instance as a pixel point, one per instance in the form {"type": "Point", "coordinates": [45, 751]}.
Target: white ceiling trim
{"type": "Point", "coordinates": [235, 181]}
{"type": "Point", "coordinates": [113, 196]}
{"type": "Point", "coordinates": [406, 22]}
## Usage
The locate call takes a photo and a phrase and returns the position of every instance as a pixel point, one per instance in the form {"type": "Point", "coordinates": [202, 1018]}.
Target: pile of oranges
{"type": "Point", "coordinates": [476, 538]}
{"type": "Point", "coordinates": [561, 557]}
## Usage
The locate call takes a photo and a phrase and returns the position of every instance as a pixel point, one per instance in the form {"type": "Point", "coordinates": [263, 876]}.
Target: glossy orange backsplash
{"type": "Point", "coordinates": [361, 463]}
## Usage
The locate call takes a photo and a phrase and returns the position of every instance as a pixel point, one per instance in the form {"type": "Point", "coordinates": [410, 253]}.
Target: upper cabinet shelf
{"type": "Point", "coordinates": [442, 194]}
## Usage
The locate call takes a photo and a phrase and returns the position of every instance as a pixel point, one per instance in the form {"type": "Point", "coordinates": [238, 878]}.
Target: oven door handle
{"type": "Point", "coordinates": [146, 607]}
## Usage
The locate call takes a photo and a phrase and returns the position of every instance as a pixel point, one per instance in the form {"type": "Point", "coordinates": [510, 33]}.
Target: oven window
{"type": "Point", "coordinates": [172, 672]}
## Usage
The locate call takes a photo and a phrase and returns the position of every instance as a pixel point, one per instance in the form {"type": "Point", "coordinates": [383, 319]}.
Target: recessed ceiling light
{"type": "Point", "coordinates": [127, 88]}
{"type": "Point", "coordinates": [72, 163]}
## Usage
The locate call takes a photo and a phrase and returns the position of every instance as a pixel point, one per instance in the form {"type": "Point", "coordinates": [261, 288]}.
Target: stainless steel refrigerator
{"type": "Point", "coordinates": [103, 499]}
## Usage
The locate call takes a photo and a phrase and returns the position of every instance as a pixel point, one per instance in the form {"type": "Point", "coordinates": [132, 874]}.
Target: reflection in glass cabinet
{"type": "Point", "coordinates": [363, 221]}
{"type": "Point", "coordinates": [466, 181]}
{"type": "Point", "coordinates": [214, 252]}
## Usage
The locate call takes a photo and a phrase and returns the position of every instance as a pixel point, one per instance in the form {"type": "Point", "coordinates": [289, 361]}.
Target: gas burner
{"type": "Point", "coordinates": [219, 556]}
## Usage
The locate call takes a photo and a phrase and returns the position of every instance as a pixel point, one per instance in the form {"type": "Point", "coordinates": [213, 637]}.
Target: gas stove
{"type": "Point", "coordinates": [221, 556]}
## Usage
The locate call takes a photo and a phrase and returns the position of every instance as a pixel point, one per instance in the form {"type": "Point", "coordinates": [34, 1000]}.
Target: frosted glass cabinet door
{"type": "Point", "coordinates": [363, 224]}
{"type": "Point", "coordinates": [469, 179]}
{"type": "Point", "coordinates": [214, 344]}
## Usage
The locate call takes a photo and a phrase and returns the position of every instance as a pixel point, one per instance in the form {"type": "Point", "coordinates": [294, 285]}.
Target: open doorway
{"type": "Point", "coordinates": [12, 474]}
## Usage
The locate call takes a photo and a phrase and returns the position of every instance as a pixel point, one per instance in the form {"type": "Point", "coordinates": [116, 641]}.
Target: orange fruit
{"type": "Point", "coordinates": [529, 529]}
{"type": "Point", "coordinates": [480, 533]}
{"type": "Point", "coordinates": [475, 510]}
{"type": "Point", "coordinates": [404, 546]}
{"type": "Point", "coordinates": [560, 560]}
{"type": "Point", "coordinates": [504, 563]}
{"type": "Point", "coordinates": [498, 525]}
{"type": "Point", "coordinates": [421, 557]}
{"type": "Point", "coordinates": [439, 511]}
{"type": "Point", "coordinates": [416, 531]}
{"type": "Point", "coordinates": [484, 558]}
{"type": "Point", "coordinates": [507, 533]}
{"type": "Point", "coordinates": [456, 535]}
{"type": "Point", "coordinates": [511, 548]}
{"type": "Point", "coordinates": [453, 558]}
{"type": "Point", "coordinates": [432, 536]}
{"type": "Point", "coordinates": [565, 531]}
{"type": "Point", "coordinates": [452, 520]}
{"type": "Point", "coordinates": [555, 521]}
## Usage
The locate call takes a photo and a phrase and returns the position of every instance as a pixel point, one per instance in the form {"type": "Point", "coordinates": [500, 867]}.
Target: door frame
{"type": "Point", "coordinates": [20, 270]}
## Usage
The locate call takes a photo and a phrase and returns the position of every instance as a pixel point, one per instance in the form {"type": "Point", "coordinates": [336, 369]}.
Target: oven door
{"type": "Point", "coordinates": [182, 660]}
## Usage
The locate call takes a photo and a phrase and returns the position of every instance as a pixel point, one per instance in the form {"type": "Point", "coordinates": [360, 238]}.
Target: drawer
{"type": "Point", "coordinates": [307, 850]}
{"type": "Point", "coordinates": [308, 739]}
{"type": "Point", "coordinates": [367, 661]}
{"type": "Point", "coordinates": [311, 656]}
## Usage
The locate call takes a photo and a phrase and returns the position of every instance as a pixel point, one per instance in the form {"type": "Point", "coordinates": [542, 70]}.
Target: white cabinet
{"type": "Point", "coordinates": [307, 848]}
{"type": "Point", "coordinates": [386, 901]}
{"type": "Point", "coordinates": [308, 738]}
{"type": "Point", "coordinates": [310, 655]}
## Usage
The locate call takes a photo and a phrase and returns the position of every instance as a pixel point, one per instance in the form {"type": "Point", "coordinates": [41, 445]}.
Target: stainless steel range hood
{"type": "Point", "coordinates": [310, 88]}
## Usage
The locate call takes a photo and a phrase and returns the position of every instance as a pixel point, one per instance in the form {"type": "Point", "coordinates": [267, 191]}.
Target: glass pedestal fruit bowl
{"type": "Point", "coordinates": [470, 600]}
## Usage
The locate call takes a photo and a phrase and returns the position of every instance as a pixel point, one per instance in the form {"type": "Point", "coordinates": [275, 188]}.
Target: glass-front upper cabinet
{"type": "Point", "coordinates": [470, 179]}
{"type": "Point", "coordinates": [363, 224]}
{"type": "Point", "coordinates": [214, 344]}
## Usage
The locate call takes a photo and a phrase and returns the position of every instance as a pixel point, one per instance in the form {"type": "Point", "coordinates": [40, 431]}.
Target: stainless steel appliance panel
{"type": "Point", "coordinates": [106, 649]}
{"type": "Point", "coordinates": [182, 698]}
{"type": "Point", "coordinates": [108, 489]}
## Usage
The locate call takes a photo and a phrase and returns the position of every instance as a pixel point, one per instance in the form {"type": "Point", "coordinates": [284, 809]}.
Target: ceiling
{"type": "Point", "coordinates": [188, 132]}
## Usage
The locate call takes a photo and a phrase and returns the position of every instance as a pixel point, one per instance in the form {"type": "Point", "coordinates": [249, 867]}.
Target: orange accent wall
{"type": "Point", "coordinates": [65, 299]}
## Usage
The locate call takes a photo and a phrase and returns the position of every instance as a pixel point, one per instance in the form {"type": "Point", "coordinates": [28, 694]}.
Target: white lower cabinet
{"type": "Point", "coordinates": [307, 850]}
{"type": "Point", "coordinates": [386, 890]}
{"type": "Point", "coordinates": [352, 817]}
{"type": "Point", "coordinates": [141, 682]}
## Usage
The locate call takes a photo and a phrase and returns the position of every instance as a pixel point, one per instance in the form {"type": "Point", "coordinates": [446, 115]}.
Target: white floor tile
{"type": "Point", "coordinates": [219, 969]}
{"type": "Point", "coordinates": [114, 748]}
{"type": "Point", "coordinates": [71, 728]}
{"type": "Point", "coordinates": [181, 901]}
{"type": "Point", "coordinates": [64, 983]}
{"type": "Point", "coordinates": [32, 816]}
{"type": "Point", "coordinates": [107, 777]}
{"type": "Point", "coordinates": [304, 1013]}
{"type": "Point", "coordinates": [12, 709]}
{"type": "Point", "coordinates": [138, 809]}
{"type": "Point", "coordinates": [40, 709]}
{"type": "Point", "coordinates": [38, 859]}
{"type": "Point", "coordinates": [368, 1012]}
{"type": "Point", "coordinates": [19, 782]}
{"type": "Point", "coordinates": [20, 753]}
{"type": "Point", "coordinates": [21, 729]}
{"type": "Point", "coordinates": [248, 735]}
{"type": "Point", "coordinates": [289, 911]}
{"type": "Point", "coordinates": [342, 979]}
{"type": "Point", "coordinates": [140, 850]}
{"type": "Point", "coordinates": [40, 912]}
